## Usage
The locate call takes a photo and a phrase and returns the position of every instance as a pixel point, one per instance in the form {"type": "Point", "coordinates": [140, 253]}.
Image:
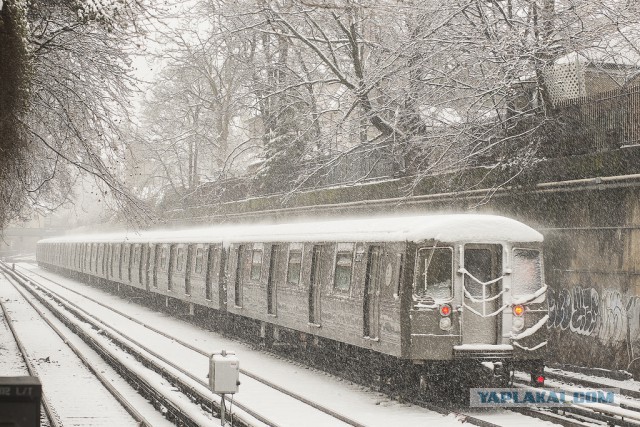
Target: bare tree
{"type": "Point", "coordinates": [439, 86]}
{"type": "Point", "coordinates": [76, 88]}
{"type": "Point", "coordinates": [448, 83]}
{"type": "Point", "coordinates": [189, 114]}
{"type": "Point", "coordinates": [14, 68]}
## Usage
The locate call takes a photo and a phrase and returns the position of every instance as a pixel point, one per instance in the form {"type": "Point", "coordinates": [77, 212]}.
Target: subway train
{"type": "Point", "coordinates": [432, 291]}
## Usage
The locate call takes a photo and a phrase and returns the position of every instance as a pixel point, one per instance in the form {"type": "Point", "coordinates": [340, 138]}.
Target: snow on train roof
{"type": "Point", "coordinates": [445, 228]}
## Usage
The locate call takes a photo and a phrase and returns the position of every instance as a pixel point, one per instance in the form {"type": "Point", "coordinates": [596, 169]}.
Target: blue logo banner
{"type": "Point", "coordinates": [514, 397]}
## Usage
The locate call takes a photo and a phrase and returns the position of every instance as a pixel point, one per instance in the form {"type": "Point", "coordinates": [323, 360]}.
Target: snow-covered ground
{"type": "Point", "coordinates": [359, 403]}
{"type": "Point", "coordinates": [75, 394]}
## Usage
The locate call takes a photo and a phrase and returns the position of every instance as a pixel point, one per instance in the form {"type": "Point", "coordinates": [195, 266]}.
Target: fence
{"type": "Point", "coordinates": [600, 122]}
{"type": "Point", "coordinates": [366, 162]}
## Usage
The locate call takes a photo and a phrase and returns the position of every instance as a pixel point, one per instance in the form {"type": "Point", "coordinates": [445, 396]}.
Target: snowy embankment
{"type": "Point", "coordinates": [78, 398]}
{"type": "Point", "coordinates": [367, 407]}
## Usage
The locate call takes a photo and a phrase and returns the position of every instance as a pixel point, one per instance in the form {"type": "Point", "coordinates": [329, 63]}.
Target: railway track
{"type": "Point", "coordinates": [566, 417]}
{"type": "Point", "coordinates": [204, 354]}
{"type": "Point", "coordinates": [184, 379]}
{"type": "Point", "coordinates": [579, 379]}
{"type": "Point", "coordinates": [627, 414]}
{"type": "Point", "coordinates": [47, 410]}
{"type": "Point", "coordinates": [44, 369]}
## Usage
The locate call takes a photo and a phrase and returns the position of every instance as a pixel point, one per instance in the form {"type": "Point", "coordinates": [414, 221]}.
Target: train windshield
{"type": "Point", "coordinates": [527, 271]}
{"type": "Point", "coordinates": [435, 267]}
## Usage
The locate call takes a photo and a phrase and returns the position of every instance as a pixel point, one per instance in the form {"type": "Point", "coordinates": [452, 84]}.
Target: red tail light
{"type": "Point", "coordinates": [518, 310]}
{"type": "Point", "coordinates": [445, 309]}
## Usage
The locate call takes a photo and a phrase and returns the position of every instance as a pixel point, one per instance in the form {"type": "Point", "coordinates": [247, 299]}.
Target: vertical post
{"type": "Point", "coordinates": [222, 410]}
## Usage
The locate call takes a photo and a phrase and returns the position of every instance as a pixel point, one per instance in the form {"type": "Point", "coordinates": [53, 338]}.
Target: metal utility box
{"type": "Point", "coordinates": [224, 373]}
{"type": "Point", "coordinates": [20, 401]}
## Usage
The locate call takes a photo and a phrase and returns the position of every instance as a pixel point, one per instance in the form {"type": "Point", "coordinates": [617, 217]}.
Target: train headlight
{"type": "Point", "coordinates": [518, 310]}
{"type": "Point", "coordinates": [445, 323]}
{"type": "Point", "coordinates": [518, 323]}
{"type": "Point", "coordinates": [445, 310]}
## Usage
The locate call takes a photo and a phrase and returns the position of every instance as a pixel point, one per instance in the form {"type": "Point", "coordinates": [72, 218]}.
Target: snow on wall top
{"type": "Point", "coordinates": [444, 228]}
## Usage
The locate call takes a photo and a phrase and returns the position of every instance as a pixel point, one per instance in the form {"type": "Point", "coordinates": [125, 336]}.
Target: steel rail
{"type": "Point", "coordinates": [596, 414]}
{"type": "Point", "coordinates": [439, 409]}
{"type": "Point", "coordinates": [105, 382]}
{"type": "Point", "coordinates": [30, 368]}
{"type": "Point", "coordinates": [117, 336]}
{"type": "Point", "coordinates": [148, 390]}
{"type": "Point", "coordinates": [588, 383]}
{"type": "Point", "coordinates": [276, 387]}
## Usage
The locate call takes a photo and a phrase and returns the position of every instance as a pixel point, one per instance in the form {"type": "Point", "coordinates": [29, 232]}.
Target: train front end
{"type": "Point", "coordinates": [480, 303]}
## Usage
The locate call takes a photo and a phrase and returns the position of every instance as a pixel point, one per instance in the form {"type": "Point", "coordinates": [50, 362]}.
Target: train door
{"type": "Point", "coordinates": [102, 253]}
{"type": "Point", "coordinates": [223, 273]}
{"type": "Point", "coordinates": [144, 266]}
{"type": "Point", "coordinates": [187, 270]}
{"type": "Point", "coordinates": [172, 257]}
{"type": "Point", "coordinates": [120, 258]}
{"type": "Point", "coordinates": [155, 250]}
{"type": "Point", "coordinates": [315, 285]}
{"type": "Point", "coordinates": [109, 260]}
{"type": "Point", "coordinates": [482, 291]}
{"type": "Point", "coordinates": [163, 267]}
{"type": "Point", "coordinates": [211, 271]}
{"type": "Point", "coordinates": [272, 282]}
{"type": "Point", "coordinates": [126, 261]}
{"type": "Point", "coordinates": [237, 297]}
{"type": "Point", "coordinates": [115, 264]}
{"type": "Point", "coordinates": [151, 263]}
{"type": "Point", "coordinates": [136, 272]}
{"type": "Point", "coordinates": [371, 303]}
{"type": "Point", "coordinates": [92, 265]}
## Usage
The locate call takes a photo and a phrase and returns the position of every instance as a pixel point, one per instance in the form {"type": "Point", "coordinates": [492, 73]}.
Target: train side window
{"type": "Point", "coordinates": [163, 258]}
{"type": "Point", "coordinates": [294, 267]}
{"type": "Point", "coordinates": [342, 276]}
{"type": "Point", "coordinates": [256, 265]}
{"type": "Point", "coordinates": [435, 273]}
{"type": "Point", "coordinates": [180, 259]}
{"type": "Point", "coordinates": [527, 271]}
{"type": "Point", "coordinates": [199, 259]}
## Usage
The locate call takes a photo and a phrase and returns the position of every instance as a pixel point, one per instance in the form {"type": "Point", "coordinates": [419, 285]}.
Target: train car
{"type": "Point", "coordinates": [435, 290]}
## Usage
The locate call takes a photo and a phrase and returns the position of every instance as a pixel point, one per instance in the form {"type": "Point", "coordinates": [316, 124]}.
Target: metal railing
{"type": "Point", "coordinates": [603, 121]}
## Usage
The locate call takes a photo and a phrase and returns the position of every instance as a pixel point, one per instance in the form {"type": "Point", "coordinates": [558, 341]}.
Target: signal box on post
{"type": "Point", "coordinates": [224, 373]}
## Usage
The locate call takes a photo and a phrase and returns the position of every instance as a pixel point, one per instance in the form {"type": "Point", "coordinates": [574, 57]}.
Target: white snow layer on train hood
{"type": "Point", "coordinates": [446, 228]}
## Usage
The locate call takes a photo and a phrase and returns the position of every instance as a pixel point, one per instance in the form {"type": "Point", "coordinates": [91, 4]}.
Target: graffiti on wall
{"type": "Point", "coordinates": [577, 309]}
{"type": "Point", "coordinates": [608, 316]}
{"type": "Point", "coordinates": [613, 320]}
